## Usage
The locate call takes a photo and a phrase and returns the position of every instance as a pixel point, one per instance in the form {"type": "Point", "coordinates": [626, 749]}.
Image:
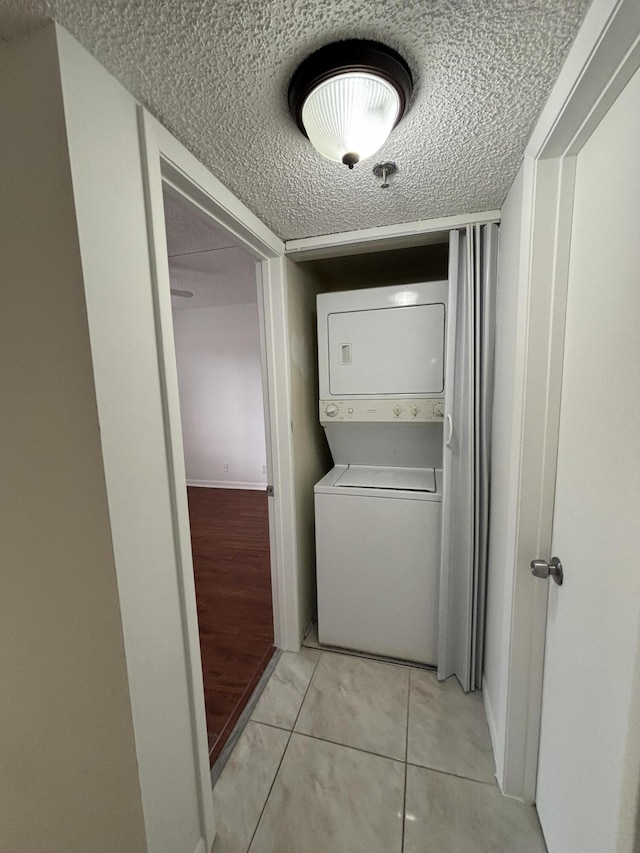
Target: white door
{"type": "Point", "coordinates": [589, 749]}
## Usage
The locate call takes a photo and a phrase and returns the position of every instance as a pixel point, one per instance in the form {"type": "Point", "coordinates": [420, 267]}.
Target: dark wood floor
{"type": "Point", "coordinates": [230, 544]}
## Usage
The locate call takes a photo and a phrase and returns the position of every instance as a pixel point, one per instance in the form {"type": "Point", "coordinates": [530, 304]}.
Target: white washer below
{"type": "Point", "coordinates": [378, 560]}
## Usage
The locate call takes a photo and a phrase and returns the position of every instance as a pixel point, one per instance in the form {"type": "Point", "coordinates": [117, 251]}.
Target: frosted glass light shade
{"type": "Point", "coordinates": [351, 113]}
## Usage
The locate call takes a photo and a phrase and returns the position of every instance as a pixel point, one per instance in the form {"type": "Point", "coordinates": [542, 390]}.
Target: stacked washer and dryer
{"type": "Point", "coordinates": [381, 365]}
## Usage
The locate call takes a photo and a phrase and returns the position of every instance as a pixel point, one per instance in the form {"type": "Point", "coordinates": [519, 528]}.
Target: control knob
{"type": "Point", "coordinates": [397, 410]}
{"type": "Point", "coordinates": [438, 409]}
{"type": "Point", "coordinates": [331, 410]}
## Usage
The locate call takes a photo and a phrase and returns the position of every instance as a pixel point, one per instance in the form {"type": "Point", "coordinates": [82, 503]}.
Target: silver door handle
{"type": "Point", "coordinates": [542, 569]}
{"type": "Point", "coordinates": [449, 433]}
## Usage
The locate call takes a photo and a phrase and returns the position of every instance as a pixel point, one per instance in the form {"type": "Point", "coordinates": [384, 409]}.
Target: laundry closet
{"type": "Point", "coordinates": [396, 345]}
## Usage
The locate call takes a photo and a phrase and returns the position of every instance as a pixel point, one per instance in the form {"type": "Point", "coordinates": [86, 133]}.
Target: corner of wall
{"type": "Point", "coordinates": [504, 471]}
{"type": "Point", "coordinates": [496, 742]}
{"type": "Point", "coordinates": [309, 443]}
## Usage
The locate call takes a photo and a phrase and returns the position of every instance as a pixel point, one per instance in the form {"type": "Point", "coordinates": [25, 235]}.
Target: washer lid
{"type": "Point", "coordinates": [380, 477]}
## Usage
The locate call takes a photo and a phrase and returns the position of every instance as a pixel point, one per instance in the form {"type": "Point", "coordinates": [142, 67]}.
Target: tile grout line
{"type": "Point", "coordinates": [239, 727]}
{"type": "Point", "coordinates": [275, 775]}
{"type": "Point", "coordinates": [406, 762]}
{"type": "Point", "coordinates": [491, 784]}
{"type": "Point", "coordinates": [273, 781]}
{"type": "Point", "coordinates": [336, 743]}
{"type": "Point", "coordinates": [270, 725]}
{"type": "Point", "coordinates": [348, 746]}
{"type": "Point", "coordinates": [406, 766]}
{"type": "Point", "coordinates": [306, 691]}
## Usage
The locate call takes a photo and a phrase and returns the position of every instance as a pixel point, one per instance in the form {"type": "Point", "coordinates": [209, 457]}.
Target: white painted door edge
{"type": "Point", "coordinates": [602, 60]}
{"type": "Point", "coordinates": [274, 342]}
{"type": "Point", "coordinates": [150, 151]}
{"type": "Point", "coordinates": [164, 159]}
{"type": "Point", "coordinates": [382, 237]}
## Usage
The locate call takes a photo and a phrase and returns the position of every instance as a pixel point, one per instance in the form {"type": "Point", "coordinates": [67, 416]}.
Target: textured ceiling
{"type": "Point", "coordinates": [188, 230]}
{"type": "Point", "coordinates": [215, 73]}
{"type": "Point", "coordinates": [216, 278]}
{"type": "Point", "coordinates": [204, 262]}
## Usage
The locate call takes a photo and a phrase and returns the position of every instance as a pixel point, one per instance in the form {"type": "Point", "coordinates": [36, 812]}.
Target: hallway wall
{"type": "Point", "coordinates": [69, 777]}
{"type": "Point", "coordinates": [101, 665]}
{"type": "Point", "coordinates": [221, 405]}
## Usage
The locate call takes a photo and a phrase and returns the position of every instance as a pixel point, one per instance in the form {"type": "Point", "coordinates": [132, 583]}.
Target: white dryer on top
{"type": "Point", "coordinates": [386, 342]}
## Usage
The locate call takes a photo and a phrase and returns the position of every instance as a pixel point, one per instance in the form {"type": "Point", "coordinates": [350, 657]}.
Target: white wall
{"type": "Point", "coordinates": [311, 457]}
{"type": "Point", "coordinates": [220, 383]}
{"type": "Point", "coordinates": [68, 763]}
{"type": "Point", "coordinates": [503, 470]}
{"type": "Point", "coordinates": [166, 689]}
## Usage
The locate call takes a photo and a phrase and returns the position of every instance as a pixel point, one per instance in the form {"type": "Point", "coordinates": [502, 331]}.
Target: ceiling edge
{"type": "Point", "coordinates": [382, 237]}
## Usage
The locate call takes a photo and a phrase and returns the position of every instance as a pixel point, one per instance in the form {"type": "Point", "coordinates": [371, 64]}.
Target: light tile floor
{"type": "Point", "coordinates": [348, 755]}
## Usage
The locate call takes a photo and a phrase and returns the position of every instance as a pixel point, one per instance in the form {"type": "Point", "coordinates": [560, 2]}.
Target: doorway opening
{"type": "Point", "coordinates": [216, 325]}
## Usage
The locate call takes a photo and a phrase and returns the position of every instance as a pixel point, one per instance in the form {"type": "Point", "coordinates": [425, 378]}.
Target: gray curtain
{"type": "Point", "coordinates": [466, 458]}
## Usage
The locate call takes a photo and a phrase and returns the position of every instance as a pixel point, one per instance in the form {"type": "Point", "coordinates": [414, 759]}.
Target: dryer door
{"type": "Point", "coordinates": [393, 351]}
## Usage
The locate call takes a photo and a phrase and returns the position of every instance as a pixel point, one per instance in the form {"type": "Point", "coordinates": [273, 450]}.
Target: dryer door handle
{"type": "Point", "coordinates": [449, 429]}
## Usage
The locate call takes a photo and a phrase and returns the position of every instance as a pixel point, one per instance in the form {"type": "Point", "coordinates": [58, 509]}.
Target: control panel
{"type": "Point", "coordinates": [382, 411]}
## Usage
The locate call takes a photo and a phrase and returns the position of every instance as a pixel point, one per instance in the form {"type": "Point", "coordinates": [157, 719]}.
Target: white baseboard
{"type": "Point", "coordinates": [226, 484]}
{"type": "Point", "coordinates": [493, 733]}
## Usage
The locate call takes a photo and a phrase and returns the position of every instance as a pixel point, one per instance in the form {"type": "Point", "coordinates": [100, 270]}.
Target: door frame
{"type": "Point", "coordinates": [166, 161]}
{"type": "Point", "coordinates": [603, 58]}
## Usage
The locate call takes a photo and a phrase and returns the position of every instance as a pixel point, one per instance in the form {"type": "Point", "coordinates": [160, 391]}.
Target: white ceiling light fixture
{"type": "Point", "coordinates": [348, 96]}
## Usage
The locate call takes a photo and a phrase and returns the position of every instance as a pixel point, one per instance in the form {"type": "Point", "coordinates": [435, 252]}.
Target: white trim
{"type": "Point", "coordinates": [227, 484]}
{"type": "Point", "coordinates": [185, 174]}
{"type": "Point", "coordinates": [284, 570]}
{"type": "Point", "coordinates": [383, 236]}
{"type": "Point", "coordinates": [603, 58]}
{"type": "Point", "coordinates": [545, 267]}
{"type": "Point", "coordinates": [175, 463]}
{"type": "Point", "coordinates": [166, 161]}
